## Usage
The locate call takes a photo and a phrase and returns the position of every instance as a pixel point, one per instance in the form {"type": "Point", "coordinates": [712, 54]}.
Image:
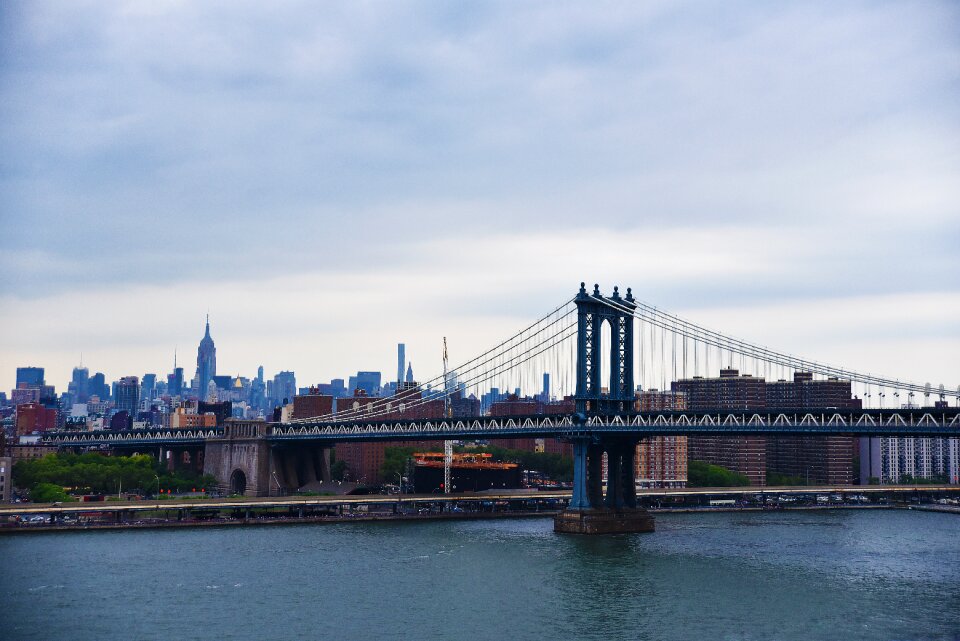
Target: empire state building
{"type": "Point", "coordinates": [206, 362]}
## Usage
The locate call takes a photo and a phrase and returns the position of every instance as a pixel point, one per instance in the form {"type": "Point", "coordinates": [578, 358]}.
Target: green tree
{"type": "Point", "coordinates": [774, 478]}
{"type": "Point", "coordinates": [395, 462]}
{"type": "Point", "coordinates": [94, 472]}
{"type": "Point", "coordinates": [48, 493]}
{"type": "Point", "coordinates": [702, 474]}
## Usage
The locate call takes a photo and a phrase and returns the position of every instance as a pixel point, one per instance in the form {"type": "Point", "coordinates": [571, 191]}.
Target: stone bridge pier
{"type": "Point", "coordinates": [183, 458]}
{"type": "Point", "coordinates": [593, 511]}
{"type": "Point", "coordinates": [244, 462]}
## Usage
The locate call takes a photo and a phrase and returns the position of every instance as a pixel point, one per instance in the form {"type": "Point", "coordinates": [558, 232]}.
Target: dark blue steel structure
{"type": "Point", "coordinates": [593, 311]}
{"type": "Point", "coordinates": [930, 422]}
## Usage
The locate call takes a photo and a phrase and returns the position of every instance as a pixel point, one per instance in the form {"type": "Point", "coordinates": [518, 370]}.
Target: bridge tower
{"type": "Point", "coordinates": [593, 508]}
{"type": "Point", "coordinates": [593, 310]}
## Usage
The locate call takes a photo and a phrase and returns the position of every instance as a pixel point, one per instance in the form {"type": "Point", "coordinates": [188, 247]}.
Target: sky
{"type": "Point", "coordinates": [330, 179]}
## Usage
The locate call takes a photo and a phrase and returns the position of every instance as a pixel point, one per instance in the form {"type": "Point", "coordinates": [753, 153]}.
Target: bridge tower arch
{"type": "Point", "coordinates": [593, 312]}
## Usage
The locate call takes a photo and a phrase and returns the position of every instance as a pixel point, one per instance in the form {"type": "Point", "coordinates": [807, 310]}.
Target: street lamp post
{"type": "Point", "coordinates": [156, 476]}
{"type": "Point", "coordinates": [400, 495]}
{"type": "Point", "coordinates": [760, 470]}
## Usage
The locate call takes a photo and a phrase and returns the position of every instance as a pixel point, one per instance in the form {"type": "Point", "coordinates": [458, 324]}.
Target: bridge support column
{"type": "Point", "coordinates": [580, 500]}
{"type": "Point", "coordinates": [590, 510]}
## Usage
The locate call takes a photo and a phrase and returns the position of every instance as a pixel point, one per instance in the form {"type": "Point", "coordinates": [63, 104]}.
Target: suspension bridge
{"type": "Point", "coordinates": [600, 350]}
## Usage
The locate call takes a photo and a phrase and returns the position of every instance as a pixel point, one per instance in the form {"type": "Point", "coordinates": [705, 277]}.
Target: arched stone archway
{"type": "Point", "coordinates": [238, 482]}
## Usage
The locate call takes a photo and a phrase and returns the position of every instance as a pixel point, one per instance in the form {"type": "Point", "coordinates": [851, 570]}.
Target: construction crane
{"type": "Point", "coordinates": [447, 413]}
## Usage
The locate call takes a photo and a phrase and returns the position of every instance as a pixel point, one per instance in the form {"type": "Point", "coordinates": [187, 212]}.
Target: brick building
{"type": "Point", "coordinates": [365, 459]}
{"type": "Point", "coordinates": [180, 418]}
{"type": "Point", "coordinates": [514, 406]}
{"type": "Point", "coordinates": [661, 460]}
{"type": "Point", "coordinates": [34, 417]}
{"type": "Point", "coordinates": [312, 405]}
{"type": "Point", "coordinates": [813, 459]}
{"type": "Point", "coordinates": [741, 453]}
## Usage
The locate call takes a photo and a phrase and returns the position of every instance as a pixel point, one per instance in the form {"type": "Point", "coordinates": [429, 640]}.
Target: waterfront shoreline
{"type": "Point", "coordinates": [452, 516]}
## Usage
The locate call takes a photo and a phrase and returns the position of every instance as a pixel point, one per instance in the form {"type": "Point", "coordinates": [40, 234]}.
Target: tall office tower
{"type": "Point", "coordinates": [80, 384]}
{"type": "Point", "coordinates": [258, 391]}
{"type": "Point", "coordinates": [284, 387]}
{"type": "Point", "coordinates": [30, 376]}
{"type": "Point", "coordinates": [545, 395]}
{"type": "Point", "coordinates": [148, 386]}
{"type": "Point", "coordinates": [369, 382]}
{"type": "Point", "coordinates": [409, 378]}
{"type": "Point", "coordinates": [744, 454]}
{"type": "Point", "coordinates": [401, 361]}
{"type": "Point", "coordinates": [128, 395]}
{"type": "Point", "coordinates": [206, 361]}
{"type": "Point", "coordinates": [98, 386]}
{"type": "Point", "coordinates": [175, 382]}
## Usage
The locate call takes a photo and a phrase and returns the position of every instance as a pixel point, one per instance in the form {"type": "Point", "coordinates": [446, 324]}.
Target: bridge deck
{"type": "Point", "coordinates": [913, 422]}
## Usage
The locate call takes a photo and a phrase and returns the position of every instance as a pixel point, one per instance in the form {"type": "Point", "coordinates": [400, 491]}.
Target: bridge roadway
{"type": "Point", "coordinates": [393, 499]}
{"type": "Point", "coordinates": [944, 422]}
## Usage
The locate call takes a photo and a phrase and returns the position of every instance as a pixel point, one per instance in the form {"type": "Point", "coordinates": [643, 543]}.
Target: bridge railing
{"type": "Point", "coordinates": [939, 422]}
{"type": "Point", "coordinates": [912, 422]}
{"type": "Point", "coordinates": [149, 435]}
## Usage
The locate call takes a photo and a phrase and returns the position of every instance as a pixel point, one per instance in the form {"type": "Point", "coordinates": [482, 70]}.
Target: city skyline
{"type": "Point", "coordinates": [641, 314]}
{"type": "Point", "coordinates": [783, 174]}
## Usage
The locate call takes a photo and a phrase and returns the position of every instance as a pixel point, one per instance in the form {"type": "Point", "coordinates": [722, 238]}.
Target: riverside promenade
{"type": "Point", "coordinates": [210, 512]}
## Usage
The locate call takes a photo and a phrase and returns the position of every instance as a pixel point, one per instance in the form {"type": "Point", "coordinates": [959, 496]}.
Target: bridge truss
{"type": "Point", "coordinates": [944, 423]}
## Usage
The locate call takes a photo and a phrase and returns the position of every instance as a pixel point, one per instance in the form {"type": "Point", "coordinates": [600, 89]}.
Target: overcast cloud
{"type": "Point", "coordinates": [331, 179]}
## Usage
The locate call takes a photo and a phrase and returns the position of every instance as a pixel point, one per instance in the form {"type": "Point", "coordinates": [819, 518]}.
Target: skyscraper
{"type": "Point", "coordinates": [206, 362]}
{"type": "Point", "coordinates": [284, 387]}
{"type": "Point", "coordinates": [401, 361]}
{"type": "Point", "coordinates": [128, 395]}
{"type": "Point", "coordinates": [31, 376]}
{"type": "Point", "coordinates": [369, 382]}
{"type": "Point", "coordinates": [148, 386]}
{"type": "Point", "coordinates": [97, 386]}
{"type": "Point", "coordinates": [79, 385]}
{"type": "Point", "coordinates": [175, 382]}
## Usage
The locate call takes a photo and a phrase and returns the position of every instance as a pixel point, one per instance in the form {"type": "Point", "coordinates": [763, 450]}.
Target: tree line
{"type": "Point", "coordinates": [94, 473]}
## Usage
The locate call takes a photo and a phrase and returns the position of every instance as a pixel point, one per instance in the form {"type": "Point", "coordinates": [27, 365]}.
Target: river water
{"type": "Point", "coordinates": [800, 575]}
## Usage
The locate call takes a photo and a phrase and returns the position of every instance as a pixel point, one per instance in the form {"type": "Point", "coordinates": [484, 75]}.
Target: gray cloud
{"type": "Point", "coordinates": [168, 143]}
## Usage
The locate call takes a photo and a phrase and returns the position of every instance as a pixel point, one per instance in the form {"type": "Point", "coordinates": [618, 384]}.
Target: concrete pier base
{"type": "Point", "coordinates": [603, 521]}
